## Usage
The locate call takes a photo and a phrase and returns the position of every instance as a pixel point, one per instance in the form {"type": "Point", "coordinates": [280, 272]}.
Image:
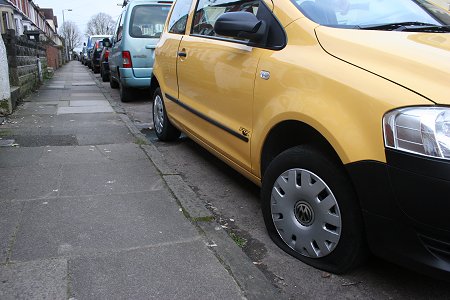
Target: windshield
{"type": "Point", "coordinates": [373, 13]}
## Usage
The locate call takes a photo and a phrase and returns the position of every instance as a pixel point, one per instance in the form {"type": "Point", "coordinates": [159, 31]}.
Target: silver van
{"type": "Point", "coordinates": [132, 51]}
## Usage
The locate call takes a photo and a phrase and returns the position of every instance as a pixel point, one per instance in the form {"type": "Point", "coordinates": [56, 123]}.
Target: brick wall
{"type": "Point", "coordinates": [53, 57]}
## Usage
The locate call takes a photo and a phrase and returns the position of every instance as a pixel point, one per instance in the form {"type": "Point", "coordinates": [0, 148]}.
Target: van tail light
{"type": "Point", "coordinates": [106, 54]}
{"type": "Point", "coordinates": [126, 57]}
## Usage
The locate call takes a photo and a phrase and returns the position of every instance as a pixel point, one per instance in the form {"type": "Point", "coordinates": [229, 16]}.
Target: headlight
{"type": "Point", "coordinates": [420, 130]}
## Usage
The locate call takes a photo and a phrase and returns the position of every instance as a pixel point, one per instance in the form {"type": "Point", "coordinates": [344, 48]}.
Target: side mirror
{"type": "Point", "coordinates": [107, 42]}
{"type": "Point", "coordinates": [241, 25]}
{"type": "Point", "coordinates": [84, 44]}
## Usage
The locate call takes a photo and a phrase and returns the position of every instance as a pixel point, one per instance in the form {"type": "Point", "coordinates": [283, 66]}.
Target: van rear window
{"type": "Point", "coordinates": [147, 21]}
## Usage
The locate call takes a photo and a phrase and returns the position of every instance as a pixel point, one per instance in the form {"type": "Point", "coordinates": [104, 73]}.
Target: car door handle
{"type": "Point", "coordinates": [150, 46]}
{"type": "Point", "coordinates": [181, 54]}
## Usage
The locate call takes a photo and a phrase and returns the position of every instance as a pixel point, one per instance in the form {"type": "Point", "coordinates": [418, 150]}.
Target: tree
{"type": "Point", "coordinates": [72, 34]}
{"type": "Point", "coordinates": [100, 23]}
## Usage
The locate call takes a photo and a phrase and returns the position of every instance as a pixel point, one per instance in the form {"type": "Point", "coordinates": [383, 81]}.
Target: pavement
{"type": "Point", "coordinates": [90, 210]}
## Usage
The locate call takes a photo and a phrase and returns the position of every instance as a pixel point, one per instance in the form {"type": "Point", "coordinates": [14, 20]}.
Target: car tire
{"type": "Point", "coordinates": [126, 94]}
{"type": "Point", "coordinates": [164, 130]}
{"type": "Point", "coordinates": [311, 210]}
{"type": "Point", "coordinates": [112, 83]}
{"type": "Point", "coordinates": [105, 77]}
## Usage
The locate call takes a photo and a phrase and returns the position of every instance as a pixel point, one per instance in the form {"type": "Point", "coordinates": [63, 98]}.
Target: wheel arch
{"type": "Point", "coordinates": [281, 138]}
{"type": "Point", "coordinates": [154, 84]}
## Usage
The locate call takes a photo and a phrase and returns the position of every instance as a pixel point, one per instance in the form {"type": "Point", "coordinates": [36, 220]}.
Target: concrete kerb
{"type": "Point", "coordinates": [250, 279]}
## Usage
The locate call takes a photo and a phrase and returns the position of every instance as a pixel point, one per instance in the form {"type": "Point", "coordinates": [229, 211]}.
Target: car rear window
{"type": "Point", "coordinates": [147, 21]}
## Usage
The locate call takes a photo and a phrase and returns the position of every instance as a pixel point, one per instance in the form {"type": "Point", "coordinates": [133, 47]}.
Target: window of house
{"type": "Point", "coordinates": [5, 22]}
{"type": "Point", "coordinates": [17, 23]}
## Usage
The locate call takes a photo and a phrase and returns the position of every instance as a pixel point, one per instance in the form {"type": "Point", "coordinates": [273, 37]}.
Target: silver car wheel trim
{"type": "Point", "coordinates": [305, 213]}
{"type": "Point", "coordinates": [158, 114]}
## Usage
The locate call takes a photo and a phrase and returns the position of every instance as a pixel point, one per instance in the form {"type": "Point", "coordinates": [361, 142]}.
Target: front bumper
{"type": "Point", "coordinates": [406, 205]}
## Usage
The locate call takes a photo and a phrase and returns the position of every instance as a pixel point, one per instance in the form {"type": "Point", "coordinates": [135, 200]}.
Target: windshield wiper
{"type": "Point", "coordinates": [408, 26]}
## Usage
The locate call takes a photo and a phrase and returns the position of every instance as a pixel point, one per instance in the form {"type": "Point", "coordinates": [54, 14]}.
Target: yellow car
{"type": "Point", "coordinates": [339, 109]}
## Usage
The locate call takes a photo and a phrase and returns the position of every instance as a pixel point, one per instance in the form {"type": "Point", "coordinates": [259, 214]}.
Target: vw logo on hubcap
{"type": "Point", "coordinates": [304, 213]}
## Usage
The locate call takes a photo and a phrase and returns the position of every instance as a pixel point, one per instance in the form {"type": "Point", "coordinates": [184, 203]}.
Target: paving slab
{"type": "Point", "coordinates": [87, 94]}
{"type": "Point", "coordinates": [53, 86]}
{"type": "Point", "coordinates": [104, 139]}
{"type": "Point", "coordinates": [9, 219]}
{"type": "Point", "coordinates": [29, 108]}
{"type": "Point", "coordinates": [85, 89]}
{"type": "Point", "coordinates": [50, 180]}
{"type": "Point", "coordinates": [85, 109]}
{"type": "Point", "coordinates": [45, 279]}
{"type": "Point", "coordinates": [176, 271]}
{"type": "Point", "coordinates": [44, 96]}
{"type": "Point", "coordinates": [108, 178]}
{"type": "Point", "coordinates": [83, 103]}
{"type": "Point", "coordinates": [89, 154]}
{"type": "Point", "coordinates": [83, 83]}
{"type": "Point", "coordinates": [34, 181]}
{"type": "Point", "coordinates": [99, 224]}
{"type": "Point", "coordinates": [42, 137]}
{"type": "Point", "coordinates": [19, 156]}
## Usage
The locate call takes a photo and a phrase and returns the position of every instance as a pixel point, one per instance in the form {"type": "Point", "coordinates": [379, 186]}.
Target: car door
{"type": "Point", "coordinates": [216, 77]}
{"type": "Point", "coordinates": [115, 55]}
{"type": "Point", "coordinates": [166, 52]}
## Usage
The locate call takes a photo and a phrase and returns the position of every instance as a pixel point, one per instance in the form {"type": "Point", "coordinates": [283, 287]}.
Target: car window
{"type": "Point", "coordinates": [119, 32]}
{"type": "Point", "coordinates": [178, 18]}
{"type": "Point", "coordinates": [208, 11]}
{"type": "Point", "coordinates": [147, 21]}
{"type": "Point", "coordinates": [359, 13]}
{"type": "Point", "coordinates": [97, 38]}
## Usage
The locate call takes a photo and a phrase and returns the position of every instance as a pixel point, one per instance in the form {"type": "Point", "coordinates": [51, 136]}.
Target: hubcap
{"type": "Point", "coordinates": [158, 114]}
{"type": "Point", "coordinates": [305, 213]}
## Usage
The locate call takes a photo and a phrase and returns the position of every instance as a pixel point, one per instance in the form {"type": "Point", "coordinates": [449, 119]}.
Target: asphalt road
{"type": "Point", "coordinates": [235, 202]}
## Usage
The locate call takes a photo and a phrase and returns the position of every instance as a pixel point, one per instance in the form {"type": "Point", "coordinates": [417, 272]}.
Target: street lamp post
{"type": "Point", "coordinates": [65, 36]}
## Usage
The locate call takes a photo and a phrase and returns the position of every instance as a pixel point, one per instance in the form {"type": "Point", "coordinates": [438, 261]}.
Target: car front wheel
{"type": "Point", "coordinates": [165, 131]}
{"type": "Point", "coordinates": [311, 210]}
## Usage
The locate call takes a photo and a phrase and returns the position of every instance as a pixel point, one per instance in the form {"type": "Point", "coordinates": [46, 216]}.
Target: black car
{"type": "Point", "coordinates": [104, 64]}
{"type": "Point", "coordinates": [96, 52]}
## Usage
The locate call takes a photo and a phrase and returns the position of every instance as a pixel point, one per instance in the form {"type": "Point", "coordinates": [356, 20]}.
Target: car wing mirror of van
{"type": "Point", "coordinates": [107, 42]}
{"type": "Point", "coordinates": [241, 25]}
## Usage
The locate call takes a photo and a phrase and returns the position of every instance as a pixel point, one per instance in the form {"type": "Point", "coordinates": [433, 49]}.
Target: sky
{"type": "Point", "coordinates": [82, 10]}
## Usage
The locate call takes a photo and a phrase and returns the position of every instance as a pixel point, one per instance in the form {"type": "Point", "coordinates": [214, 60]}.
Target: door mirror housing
{"type": "Point", "coordinates": [241, 25]}
{"type": "Point", "coordinates": [107, 43]}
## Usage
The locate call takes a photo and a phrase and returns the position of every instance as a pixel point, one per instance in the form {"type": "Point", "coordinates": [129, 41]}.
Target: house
{"type": "Point", "coordinates": [33, 46]}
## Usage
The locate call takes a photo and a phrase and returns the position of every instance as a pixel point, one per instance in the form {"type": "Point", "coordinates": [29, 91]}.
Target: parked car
{"type": "Point", "coordinates": [104, 64]}
{"type": "Point", "coordinates": [83, 56]}
{"type": "Point", "coordinates": [96, 53]}
{"type": "Point", "coordinates": [339, 110]}
{"type": "Point", "coordinates": [90, 46]}
{"type": "Point", "coordinates": [131, 56]}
